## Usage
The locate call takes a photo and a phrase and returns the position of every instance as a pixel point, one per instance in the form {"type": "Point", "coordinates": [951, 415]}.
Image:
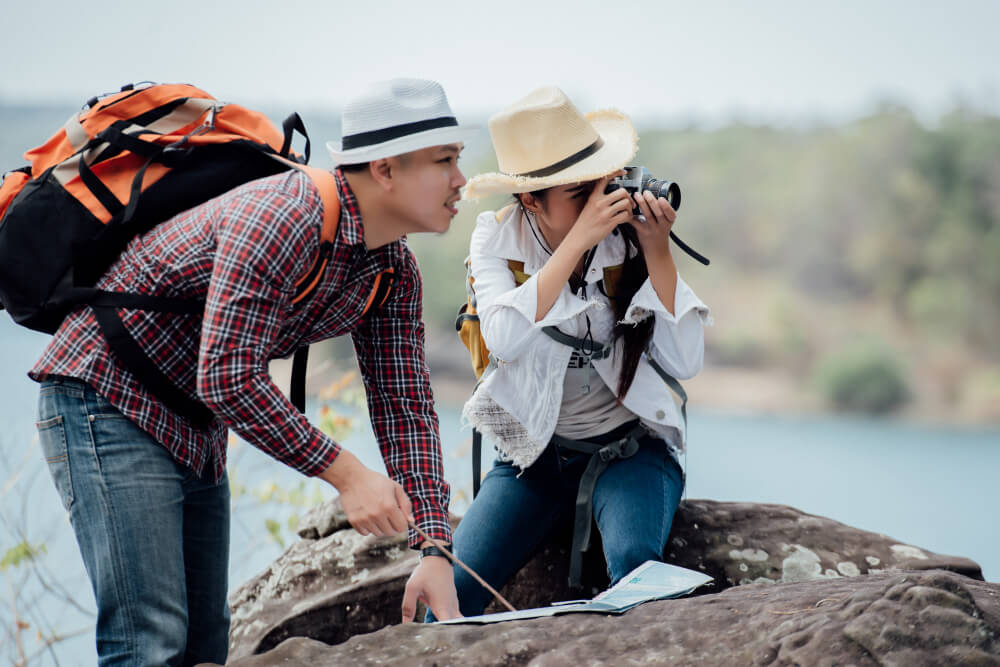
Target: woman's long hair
{"type": "Point", "coordinates": [634, 273]}
{"type": "Point", "coordinates": [636, 336]}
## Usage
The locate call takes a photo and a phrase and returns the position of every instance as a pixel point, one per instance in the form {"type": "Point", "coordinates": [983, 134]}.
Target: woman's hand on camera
{"type": "Point", "coordinates": [601, 214]}
{"type": "Point", "coordinates": [653, 225]}
{"type": "Point", "coordinates": [652, 228]}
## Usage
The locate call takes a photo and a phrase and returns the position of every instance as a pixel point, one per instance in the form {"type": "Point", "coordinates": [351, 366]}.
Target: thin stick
{"type": "Point", "coordinates": [465, 567]}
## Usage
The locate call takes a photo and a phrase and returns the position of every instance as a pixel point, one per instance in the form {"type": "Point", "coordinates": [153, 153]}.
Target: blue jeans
{"type": "Point", "coordinates": [513, 516]}
{"type": "Point", "coordinates": [154, 537]}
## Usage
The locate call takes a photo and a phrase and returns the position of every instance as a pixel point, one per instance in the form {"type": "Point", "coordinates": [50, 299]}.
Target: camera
{"type": "Point", "coordinates": [638, 179]}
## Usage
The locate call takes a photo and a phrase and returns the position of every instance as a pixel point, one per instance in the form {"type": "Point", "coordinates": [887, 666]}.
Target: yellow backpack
{"type": "Point", "coordinates": [467, 322]}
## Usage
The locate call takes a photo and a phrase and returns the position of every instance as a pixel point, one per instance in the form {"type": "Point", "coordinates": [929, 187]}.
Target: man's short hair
{"type": "Point", "coordinates": [361, 167]}
{"type": "Point", "coordinates": [354, 168]}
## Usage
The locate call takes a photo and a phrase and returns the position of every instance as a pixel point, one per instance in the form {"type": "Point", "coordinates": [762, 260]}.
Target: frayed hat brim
{"type": "Point", "coordinates": [620, 145]}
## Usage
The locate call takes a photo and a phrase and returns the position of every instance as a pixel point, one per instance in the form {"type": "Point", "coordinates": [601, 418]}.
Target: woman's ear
{"type": "Point", "coordinates": [529, 202]}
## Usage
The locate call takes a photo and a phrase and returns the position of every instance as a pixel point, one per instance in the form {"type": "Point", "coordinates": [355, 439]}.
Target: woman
{"type": "Point", "coordinates": [555, 263]}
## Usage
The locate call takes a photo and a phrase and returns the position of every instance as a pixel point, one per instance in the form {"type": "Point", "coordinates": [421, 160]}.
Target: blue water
{"type": "Point", "coordinates": [933, 487]}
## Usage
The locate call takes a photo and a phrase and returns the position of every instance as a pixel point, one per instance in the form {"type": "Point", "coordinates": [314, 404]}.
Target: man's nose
{"type": "Point", "coordinates": [458, 179]}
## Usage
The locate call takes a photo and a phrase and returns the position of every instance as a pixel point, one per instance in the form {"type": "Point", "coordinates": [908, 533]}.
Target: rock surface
{"type": "Point", "coordinates": [334, 583]}
{"type": "Point", "coordinates": [743, 543]}
{"type": "Point", "coordinates": [914, 619]}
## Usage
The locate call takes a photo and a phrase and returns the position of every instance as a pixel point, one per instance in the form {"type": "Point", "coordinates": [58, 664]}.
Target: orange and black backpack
{"type": "Point", "coordinates": [125, 163]}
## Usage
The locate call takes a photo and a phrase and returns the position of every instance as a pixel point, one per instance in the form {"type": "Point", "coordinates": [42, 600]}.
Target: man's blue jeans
{"type": "Point", "coordinates": [154, 537]}
{"type": "Point", "coordinates": [514, 514]}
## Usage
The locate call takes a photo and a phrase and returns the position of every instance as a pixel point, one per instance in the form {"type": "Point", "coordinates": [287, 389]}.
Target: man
{"type": "Point", "coordinates": [146, 490]}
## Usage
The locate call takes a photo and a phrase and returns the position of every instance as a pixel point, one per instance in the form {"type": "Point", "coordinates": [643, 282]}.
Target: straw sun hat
{"type": "Point", "coordinates": [542, 140]}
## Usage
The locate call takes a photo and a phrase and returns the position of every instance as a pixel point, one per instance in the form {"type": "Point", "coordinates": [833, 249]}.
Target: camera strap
{"type": "Point", "coordinates": [698, 257]}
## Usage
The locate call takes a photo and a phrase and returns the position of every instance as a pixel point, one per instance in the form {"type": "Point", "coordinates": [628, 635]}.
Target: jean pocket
{"type": "Point", "coordinates": [52, 437]}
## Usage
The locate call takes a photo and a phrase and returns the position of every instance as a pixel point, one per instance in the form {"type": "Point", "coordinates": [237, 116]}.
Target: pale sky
{"type": "Point", "coordinates": [666, 62]}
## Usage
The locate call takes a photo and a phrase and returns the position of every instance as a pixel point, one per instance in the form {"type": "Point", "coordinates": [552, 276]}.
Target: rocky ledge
{"type": "Point", "coordinates": [329, 598]}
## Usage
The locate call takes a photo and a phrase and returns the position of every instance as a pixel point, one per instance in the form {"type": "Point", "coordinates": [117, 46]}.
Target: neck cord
{"type": "Point", "coordinates": [588, 347]}
{"type": "Point", "coordinates": [588, 257]}
{"type": "Point", "coordinates": [531, 225]}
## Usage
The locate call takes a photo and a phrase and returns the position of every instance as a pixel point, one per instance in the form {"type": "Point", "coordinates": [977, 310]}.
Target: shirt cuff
{"type": "Point", "coordinates": [323, 451]}
{"type": "Point", "coordinates": [432, 519]}
{"type": "Point", "coordinates": [646, 303]}
{"type": "Point", "coordinates": [524, 300]}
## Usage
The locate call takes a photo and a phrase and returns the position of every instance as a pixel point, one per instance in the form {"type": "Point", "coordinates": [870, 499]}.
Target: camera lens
{"type": "Point", "coordinates": [670, 191]}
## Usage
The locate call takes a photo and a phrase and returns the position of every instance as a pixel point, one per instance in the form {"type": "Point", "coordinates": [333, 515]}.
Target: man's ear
{"type": "Point", "coordinates": [382, 172]}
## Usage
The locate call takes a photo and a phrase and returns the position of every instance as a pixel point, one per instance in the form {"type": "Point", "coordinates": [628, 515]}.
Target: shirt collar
{"type": "Point", "coordinates": [520, 240]}
{"type": "Point", "coordinates": [351, 230]}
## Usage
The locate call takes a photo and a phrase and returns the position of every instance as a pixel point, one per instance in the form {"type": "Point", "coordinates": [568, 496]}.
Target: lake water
{"type": "Point", "coordinates": [934, 487]}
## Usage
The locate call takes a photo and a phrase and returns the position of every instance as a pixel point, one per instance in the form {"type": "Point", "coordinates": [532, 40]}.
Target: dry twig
{"type": "Point", "coordinates": [465, 567]}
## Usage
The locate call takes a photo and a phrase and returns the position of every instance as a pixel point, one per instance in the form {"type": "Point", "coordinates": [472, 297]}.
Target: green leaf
{"type": "Point", "coordinates": [274, 528]}
{"type": "Point", "coordinates": [20, 553]}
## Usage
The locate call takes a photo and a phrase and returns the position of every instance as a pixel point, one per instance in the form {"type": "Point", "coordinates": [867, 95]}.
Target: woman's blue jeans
{"type": "Point", "coordinates": [514, 514]}
{"type": "Point", "coordinates": [154, 537]}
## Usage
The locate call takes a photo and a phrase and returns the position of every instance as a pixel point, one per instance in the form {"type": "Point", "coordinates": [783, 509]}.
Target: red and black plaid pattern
{"type": "Point", "coordinates": [242, 253]}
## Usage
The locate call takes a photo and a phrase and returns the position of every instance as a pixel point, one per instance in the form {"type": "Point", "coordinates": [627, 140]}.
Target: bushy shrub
{"type": "Point", "coordinates": [862, 376]}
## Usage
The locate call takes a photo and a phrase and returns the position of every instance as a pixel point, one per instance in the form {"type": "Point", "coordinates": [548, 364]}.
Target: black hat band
{"type": "Point", "coordinates": [362, 139]}
{"type": "Point", "coordinates": [579, 156]}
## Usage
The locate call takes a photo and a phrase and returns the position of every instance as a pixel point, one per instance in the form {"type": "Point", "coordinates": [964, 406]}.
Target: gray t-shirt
{"type": "Point", "coordinates": [589, 408]}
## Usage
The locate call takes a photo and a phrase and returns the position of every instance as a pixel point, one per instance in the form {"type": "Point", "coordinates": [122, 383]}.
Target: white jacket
{"type": "Point", "coordinates": [517, 404]}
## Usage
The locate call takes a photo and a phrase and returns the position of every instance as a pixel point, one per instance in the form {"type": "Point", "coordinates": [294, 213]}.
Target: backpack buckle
{"type": "Point", "coordinates": [209, 123]}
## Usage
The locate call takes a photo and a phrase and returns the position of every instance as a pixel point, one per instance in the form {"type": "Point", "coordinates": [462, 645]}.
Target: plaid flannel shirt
{"type": "Point", "coordinates": [242, 254]}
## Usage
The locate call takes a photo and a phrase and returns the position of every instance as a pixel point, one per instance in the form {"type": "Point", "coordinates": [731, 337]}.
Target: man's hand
{"type": "Point", "coordinates": [433, 583]}
{"type": "Point", "coordinates": [374, 504]}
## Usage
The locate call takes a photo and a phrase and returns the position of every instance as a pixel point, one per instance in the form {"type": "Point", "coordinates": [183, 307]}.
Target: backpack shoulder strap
{"type": "Point", "coordinates": [674, 385]}
{"type": "Point", "coordinates": [586, 346]}
{"type": "Point", "coordinates": [381, 290]}
{"type": "Point", "coordinates": [477, 461]}
{"type": "Point", "coordinates": [326, 184]}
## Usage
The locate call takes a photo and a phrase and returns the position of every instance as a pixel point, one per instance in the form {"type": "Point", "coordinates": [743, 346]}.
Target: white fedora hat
{"type": "Point", "coordinates": [395, 117]}
{"type": "Point", "coordinates": [542, 140]}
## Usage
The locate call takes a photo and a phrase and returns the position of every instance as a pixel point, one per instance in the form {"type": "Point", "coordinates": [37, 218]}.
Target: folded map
{"type": "Point", "coordinates": [650, 581]}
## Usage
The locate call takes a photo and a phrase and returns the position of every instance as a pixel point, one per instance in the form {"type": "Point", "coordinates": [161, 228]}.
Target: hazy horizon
{"type": "Point", "coordinates": [675, 64]}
